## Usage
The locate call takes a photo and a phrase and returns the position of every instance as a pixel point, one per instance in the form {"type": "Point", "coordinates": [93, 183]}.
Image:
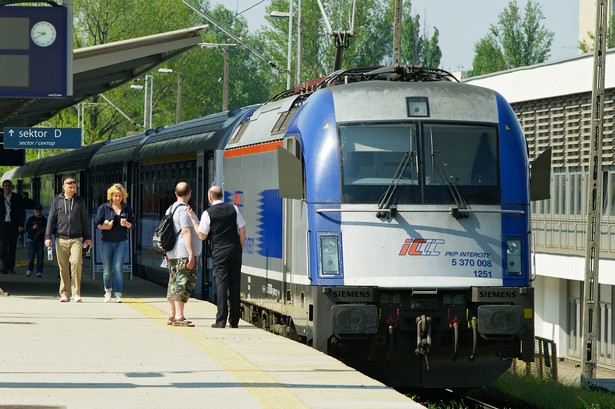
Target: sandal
{"type": "Point", "coordinates": [182, 322]}
{"type": "Point", "coordinates": [170, 321]}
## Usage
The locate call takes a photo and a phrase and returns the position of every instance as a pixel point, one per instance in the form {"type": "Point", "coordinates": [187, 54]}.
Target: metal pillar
{"type": "Point", "coordinates": [591, 295]}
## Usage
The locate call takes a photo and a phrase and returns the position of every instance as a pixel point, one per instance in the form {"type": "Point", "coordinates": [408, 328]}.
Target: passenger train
{"type": "Point", "coordinates": [387, 211]}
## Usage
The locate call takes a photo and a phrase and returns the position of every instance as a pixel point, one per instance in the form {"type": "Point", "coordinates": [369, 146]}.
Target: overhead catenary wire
{"type": "Point", "coordinates": [234, 37]}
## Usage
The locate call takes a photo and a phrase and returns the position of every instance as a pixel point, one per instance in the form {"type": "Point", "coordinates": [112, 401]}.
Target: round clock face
{"type": "Point", "coordinates": [43, 33]}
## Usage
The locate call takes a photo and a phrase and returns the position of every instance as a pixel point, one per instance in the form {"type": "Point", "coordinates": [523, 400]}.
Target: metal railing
{"type": "Point", "coordinates": [545, 361]}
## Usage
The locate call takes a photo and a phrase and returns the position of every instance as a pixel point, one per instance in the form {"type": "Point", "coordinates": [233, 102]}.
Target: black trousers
{"type": "Point", "coordinates": [8, 245]}
{"type": "Point", "coordinates": [227, 270]}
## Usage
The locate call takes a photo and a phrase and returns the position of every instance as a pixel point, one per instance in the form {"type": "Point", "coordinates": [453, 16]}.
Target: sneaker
{"type": "Point", "coordinates": [118, 297]}
{"type": "Point", "coordinates": [64, 299]}
{"type": "Point", "coordinates": [77, 298]}
{"type": "Point", "coordinates": [28, 273]}
{"type": "Point", "coordinates": [39, 275]}
{"type": "Point", "coordinates": [107, 295]}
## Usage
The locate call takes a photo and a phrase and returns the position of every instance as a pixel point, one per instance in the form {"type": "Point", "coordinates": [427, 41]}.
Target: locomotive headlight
{"type": "Point", "coordinates": [513, 256]}
{"type": "Point", "coordinates": [329, 254]}
{"type": "Point", "coordinates": [513, 246]}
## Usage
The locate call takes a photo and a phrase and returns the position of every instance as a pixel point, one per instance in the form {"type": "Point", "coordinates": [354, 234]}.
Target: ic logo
{"type": "Point", "coordinates": [420, 247]}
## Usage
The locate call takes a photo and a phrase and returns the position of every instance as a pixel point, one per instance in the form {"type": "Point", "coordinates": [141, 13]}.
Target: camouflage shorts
{"type": "Point", "coordinates": [182, 280]}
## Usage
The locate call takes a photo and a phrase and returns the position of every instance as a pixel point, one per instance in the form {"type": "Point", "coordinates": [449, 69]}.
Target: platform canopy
{"type": "Point", "coordinates": [99, 69]}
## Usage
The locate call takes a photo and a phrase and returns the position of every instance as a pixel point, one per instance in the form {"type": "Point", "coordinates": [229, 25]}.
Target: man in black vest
{"type": "Point", "coordinates": [226, 230]}
{"type": "Point", "coordinates": [12, 222]}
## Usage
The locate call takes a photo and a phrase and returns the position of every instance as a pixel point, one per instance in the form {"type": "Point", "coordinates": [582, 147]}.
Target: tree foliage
{"type": "Point", "coordinates": [515, 42]}
{"type": "Point", "coordinates": [587, 46]}
{"type": "Point", "coordinates": [251, 80]}
{"type": "Point", "coordinates": [370, 45]}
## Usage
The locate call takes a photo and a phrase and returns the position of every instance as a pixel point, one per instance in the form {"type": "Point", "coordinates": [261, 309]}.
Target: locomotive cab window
{"type": "Point", "coordinates": [464, 157]}
{"type": "Point", "coordinates": [376, 156]}
{"type": "Point", "coordinates": [420, 163]}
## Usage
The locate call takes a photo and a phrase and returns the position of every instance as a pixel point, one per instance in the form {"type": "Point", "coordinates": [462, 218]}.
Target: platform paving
{"type": "Point", "coordinates": [106, 355]}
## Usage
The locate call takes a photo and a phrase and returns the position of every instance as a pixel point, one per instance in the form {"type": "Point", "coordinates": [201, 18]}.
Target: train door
{"type": "Point", "coordinates": [294, 230]}
{"type": "Point", "coordinates": [199, 199]}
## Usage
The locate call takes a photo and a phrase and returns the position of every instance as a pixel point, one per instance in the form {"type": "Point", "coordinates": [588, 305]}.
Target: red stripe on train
{"type": "Point", "coordinates": [250, 150]}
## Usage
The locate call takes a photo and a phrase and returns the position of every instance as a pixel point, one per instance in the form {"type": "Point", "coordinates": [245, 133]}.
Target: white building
{"type": "Point", "coordinates": [553, 104]}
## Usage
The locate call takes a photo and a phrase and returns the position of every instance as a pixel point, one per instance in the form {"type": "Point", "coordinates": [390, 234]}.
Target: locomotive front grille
{"type": "Point", "coordinates": [423, 302]}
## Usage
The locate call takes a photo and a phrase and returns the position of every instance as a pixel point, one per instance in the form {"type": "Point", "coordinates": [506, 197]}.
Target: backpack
{"type": "Point", "coordinates": [164, 236]}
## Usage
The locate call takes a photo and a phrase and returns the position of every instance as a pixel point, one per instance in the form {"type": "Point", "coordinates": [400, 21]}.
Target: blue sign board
{"type": "Point", "coordinates": [42, 138]}
{"type": "Point", "coordinates": [34, 52]}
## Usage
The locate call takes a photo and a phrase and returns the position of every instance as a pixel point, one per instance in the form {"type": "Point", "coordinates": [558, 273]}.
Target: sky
{"type": "Point", "coordinates": [460, 24]}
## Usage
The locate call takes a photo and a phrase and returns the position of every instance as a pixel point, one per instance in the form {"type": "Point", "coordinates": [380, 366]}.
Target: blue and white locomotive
{"type": "Point", "coordinates": [388, 218]}
{"type": "Point", "coordinates": [389, 225]}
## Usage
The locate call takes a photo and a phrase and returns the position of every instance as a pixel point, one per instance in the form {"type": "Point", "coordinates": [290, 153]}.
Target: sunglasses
{"type": "Point", "coordinates": [72, 182]}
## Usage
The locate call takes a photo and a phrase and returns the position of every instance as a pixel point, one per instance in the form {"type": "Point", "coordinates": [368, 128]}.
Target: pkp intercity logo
{"type": "Point", "coordinates": [420, 247]}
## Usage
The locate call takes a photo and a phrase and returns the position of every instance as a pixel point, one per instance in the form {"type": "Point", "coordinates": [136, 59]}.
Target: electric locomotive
{"type": "Point", "coordinates": [389, 225]}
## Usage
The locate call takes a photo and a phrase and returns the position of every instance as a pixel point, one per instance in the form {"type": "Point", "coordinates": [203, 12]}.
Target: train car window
{"type": "Point", "coordinates": [282, 123]}
{"type": "Point", "coordinates": [47, 192]}
{"type": "Point", "coordinates": [375, 156]}
{"type": "Point", "coordinates": [462, 155]}
{"type": "Point", "coordinates": [238, 133]}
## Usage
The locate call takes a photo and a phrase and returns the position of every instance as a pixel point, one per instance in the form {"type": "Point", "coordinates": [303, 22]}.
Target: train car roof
{"type": "Point", "coordinates": [207, 133]}
{"type": "Point", "coordinates": [73, 160]}
{"type": "Point", "coordinates": [116, 151]}
{"type": "Point", "coordinates": [268, 116]}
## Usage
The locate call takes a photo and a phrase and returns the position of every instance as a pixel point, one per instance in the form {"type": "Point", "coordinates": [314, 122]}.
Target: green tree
{"type": "Point", "coordinates": [107, 21]}
{"type": "Point", "coordinates": [515, 42]}
{"type": "Point", "coordinates": [370, 45]}
{"type": "Point", "coordinates": [587, 46]}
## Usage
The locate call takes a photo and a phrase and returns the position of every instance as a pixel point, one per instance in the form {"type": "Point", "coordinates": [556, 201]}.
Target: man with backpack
{"type": "Point", "coordinates": [181, 259]}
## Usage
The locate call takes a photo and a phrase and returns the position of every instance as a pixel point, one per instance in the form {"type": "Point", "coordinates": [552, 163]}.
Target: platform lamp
{"type": "Point", "coordinates": [178, 102]}
{"type": "Point", "coordinates": [289, 16]}
{"type": "Point", "coordinates": [147, 97]}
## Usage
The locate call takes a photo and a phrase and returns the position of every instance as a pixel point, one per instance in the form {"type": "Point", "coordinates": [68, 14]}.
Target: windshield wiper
{"type": "Point", "coordinates": [457, 212]}
{"type": "Point", "coordinates": [385, 200]}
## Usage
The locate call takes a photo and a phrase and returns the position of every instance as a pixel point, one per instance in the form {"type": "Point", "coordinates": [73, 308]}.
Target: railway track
{"type": "Point", "coordinates": [486, 398]}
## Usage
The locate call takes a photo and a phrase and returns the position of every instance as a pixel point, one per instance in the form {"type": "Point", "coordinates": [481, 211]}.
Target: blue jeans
{"type": "Point", "coordinates": [35, 249]}
{"type": "Point", "coordinates": [113, 255]}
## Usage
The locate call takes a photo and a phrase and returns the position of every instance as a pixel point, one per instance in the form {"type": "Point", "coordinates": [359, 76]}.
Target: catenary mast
{"type": "Point", "coordinates": [591, 296]}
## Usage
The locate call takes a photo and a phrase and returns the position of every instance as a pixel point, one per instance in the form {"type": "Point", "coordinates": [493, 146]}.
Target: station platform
{"type": "Point", "coordinates": [123, 355]}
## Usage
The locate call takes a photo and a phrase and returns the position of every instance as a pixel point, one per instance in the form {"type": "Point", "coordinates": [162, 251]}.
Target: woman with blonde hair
{"type": "Point", "coordinates": [114, 219]}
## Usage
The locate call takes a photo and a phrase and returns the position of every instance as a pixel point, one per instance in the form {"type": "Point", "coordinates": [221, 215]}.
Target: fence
{"type": "Point", "coordinates": [545, 361]}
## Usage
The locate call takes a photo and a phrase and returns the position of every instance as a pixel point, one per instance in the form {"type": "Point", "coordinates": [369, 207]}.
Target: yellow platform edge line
{"type": "Point", "coordinates": [260, 384]}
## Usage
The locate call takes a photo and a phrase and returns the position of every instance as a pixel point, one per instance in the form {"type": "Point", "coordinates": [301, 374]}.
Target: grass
{"type": "Point", "coordinates": [549, 394]}
{"type": "Point", "coordinates": [544, 394]}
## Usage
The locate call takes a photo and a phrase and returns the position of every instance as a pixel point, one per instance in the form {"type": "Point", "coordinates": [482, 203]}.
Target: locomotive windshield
{"type": "Point", "coordinates": [422, 162]}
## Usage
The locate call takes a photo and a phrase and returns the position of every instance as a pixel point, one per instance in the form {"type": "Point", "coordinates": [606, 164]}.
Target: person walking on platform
{"type": "Point", "coordinates": [12, 221]}
{"type": "Point", "coordinates": [68, 221]}
{"type": "Point", "coordinates": [35, 227]}
{"type": "Point", "coordinates": [182, 259]}
{"type": "Point", "coordinates": [114, 219]}
{"type": "Point", "coordinates": [226, 229]}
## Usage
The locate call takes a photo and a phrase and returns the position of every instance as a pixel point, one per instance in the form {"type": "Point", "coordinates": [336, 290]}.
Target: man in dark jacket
{"type": "Point", "coordinates": [12, 221]}
{"type": "Point", "coordinates": [69, 222]}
